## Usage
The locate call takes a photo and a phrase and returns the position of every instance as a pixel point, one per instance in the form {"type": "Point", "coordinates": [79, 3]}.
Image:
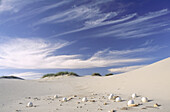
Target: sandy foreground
{"type": "Point", "coordinates": [152, 81]}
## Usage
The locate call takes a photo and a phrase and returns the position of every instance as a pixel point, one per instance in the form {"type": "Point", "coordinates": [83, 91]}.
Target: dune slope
{"type": "Point", "coordinates": [152, 80]}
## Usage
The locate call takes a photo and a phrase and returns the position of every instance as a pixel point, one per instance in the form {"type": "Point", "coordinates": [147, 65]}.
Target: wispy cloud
{"type": "Point", "coordinates": [14, 5]}
{"type": "Point", "coordinates": [28, 53]}
{"type": "Point", "coordinates": [91, 16]}
{"type": "Point", "coordinates": [94, 25]}
{"type": "Point", "coordinates": [147, 43]}
{"type": "Point", "coordinates": [73, 13]}
{"type": "Point", "coordinates": [20, 53]}
{"type": "Point", "coordinates": [27, 75]}
{"type": "Point", "coordinates": [132, 51]}
{"type": "Point", "coordinates": [125, 69]}
{"type": "Point", "coordinates": [140, 27]}
{"type": "Point", "coordinates": [130, 26]}
{"type": "Point", "coordinates": [48, 7]}
{"type": "Point", "coordinates": [31, 12]}
{"type": "Point", "coordinates": [6, 5]}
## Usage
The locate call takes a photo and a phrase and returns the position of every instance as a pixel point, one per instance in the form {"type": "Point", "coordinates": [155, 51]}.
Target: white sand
{"type": "Point", "coordinates": [152, 81]}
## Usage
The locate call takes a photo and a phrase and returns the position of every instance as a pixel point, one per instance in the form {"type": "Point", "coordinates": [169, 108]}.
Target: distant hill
{"type": "Point", "coordinates": [11, 77]}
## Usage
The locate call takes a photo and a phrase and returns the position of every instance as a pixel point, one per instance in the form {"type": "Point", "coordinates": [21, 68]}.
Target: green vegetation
{"type": "Point", "coordinates": [96, 74]}
{"type": "Point", "coordinates": [60, 74]}
{"type": "Point", "coordinates": [49, 75]}
{"type": "Point", "coordinates": [109, 74]}
{"type": "Point", "coordinates": [72, 74]}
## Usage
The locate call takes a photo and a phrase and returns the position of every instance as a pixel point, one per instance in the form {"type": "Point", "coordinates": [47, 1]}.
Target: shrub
{"type": "Point", "coordinates": [49, 75]}
{"type": "Point", "coordinates": [109, 74]}
{"type": "Point", "coordinates": [96, 74]}
{"type": "Point", "coordinates": [60, 74]}
{"type": "Point", "coordinates": [72, 74]}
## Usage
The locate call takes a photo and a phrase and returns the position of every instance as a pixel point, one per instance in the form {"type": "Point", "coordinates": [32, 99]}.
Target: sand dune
{"type": "Point", "coordinates": [150, 81]}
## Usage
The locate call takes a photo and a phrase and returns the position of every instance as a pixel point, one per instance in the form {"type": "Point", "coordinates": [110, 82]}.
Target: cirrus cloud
{"type": "Point", "coordinates": [125, 69]}
{"type": "Point", "coordinates": [27, 75]}
{"type": "Point", "coordinates": [36, 53]}
{"type": "Point", "coordinates": [14, 5]}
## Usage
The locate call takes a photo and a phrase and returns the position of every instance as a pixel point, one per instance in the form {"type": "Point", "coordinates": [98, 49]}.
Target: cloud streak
{"type": "Point", "coordinates": [20, 53]}
{"type": "Point", "coordinates": [30, 13]}
{"type": "Point", "coordinates": [130, 26]}
{"type": "Point", "coordinates": [27, 75]}
{"type": "Point", "coordinates": [14, 5]}
{"type": "Point", "coordinates": [140, 27]}
{"type": "Point", "coordinates": [91, 16]}
{"type": "Point", "coordinates": [95, 24]}
{"type": "Point", "coordinates": [125, 69]}
{"type": "Point", "coordinates": [133, 51]}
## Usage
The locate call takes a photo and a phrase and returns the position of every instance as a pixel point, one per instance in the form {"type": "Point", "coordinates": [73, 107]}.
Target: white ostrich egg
{"type": "Point", "coordinates": [130, 102]}
{"type": "Point", "coordinates": [110, 97]}
{"type": "Point", "coordinates": [134, 95]}
{"type": "Point", "coordinates": [144, 99]}
{"type": "Point", "coordinates": [55, 96]}
{"type": "Point", "coordinates": [111, 111]}
{"type": "Point", "coordinates": [84, 99]}
{"type": "Point", "coordinates": [118, 99]}
{"type": "Point", "coordinates": [30, 104]}
{"type": "Point", "coordinates": [64, 99]}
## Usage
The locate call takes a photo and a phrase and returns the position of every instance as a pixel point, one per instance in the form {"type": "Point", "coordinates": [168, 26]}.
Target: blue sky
{"type": "Point", "coordinates": [83, 36]}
